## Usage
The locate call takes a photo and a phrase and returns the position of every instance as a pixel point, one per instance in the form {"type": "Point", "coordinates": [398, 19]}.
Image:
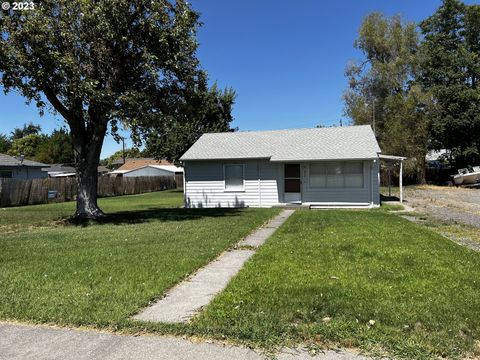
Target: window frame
{"type": "Point", "coordinates": [6, 171]}
{"type": "Point", "coordinates": [224, 178]}
{"type": "Point", "coordinates": [342, 163]}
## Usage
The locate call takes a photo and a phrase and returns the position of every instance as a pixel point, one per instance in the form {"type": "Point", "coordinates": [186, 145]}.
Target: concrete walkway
{"type": "Point", "coordinates": [188, 298]}
{"type": "Point", "coordinates": [24, 342]}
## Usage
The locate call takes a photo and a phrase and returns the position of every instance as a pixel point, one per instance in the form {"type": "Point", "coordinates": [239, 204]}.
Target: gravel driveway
{"type": "Point", "coordinates": [450, 204]}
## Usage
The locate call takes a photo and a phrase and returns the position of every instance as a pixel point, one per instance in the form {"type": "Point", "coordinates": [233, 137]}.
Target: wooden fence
{"type": "Point", "coordinates": [179, 180]}
{"type": "Point", "coordinates": [15, 192]}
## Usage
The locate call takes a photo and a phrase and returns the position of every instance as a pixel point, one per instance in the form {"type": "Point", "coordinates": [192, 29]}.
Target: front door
{"type": "Point", "coordinates": [293, 183]}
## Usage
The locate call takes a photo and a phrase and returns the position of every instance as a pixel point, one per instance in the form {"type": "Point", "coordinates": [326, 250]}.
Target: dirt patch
{"type": "Point", "coordinates": [451, 212]}
{"type": "Point", "coordinates": [448, 204]}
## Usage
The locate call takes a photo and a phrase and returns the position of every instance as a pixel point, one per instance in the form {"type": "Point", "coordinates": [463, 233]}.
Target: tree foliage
{"type": "Point", "coordinates": [382, 90]}
{"type": "Point", "coordinates": [27, 145]}
{"type": "Point", "coordinates": [425, 85]}
{"type": "Point", "coordinates": [103, 63]}
{"type": "Point", "coordinates": [209, 111]}
{"type": "Point", "coordinates": [120, 154]}
{"type": "Point", "coordinates": [450, 70]}
{"type": "Point", "coordinates": [5, 143]}
{"type": "Point", "coordinates": [27, 129]}
{"type": "Point", "coordinates": [54, 148]}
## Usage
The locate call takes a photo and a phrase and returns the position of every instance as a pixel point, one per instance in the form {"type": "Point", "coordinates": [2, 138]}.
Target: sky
{"type": "Point", "coordinates": [285, 60]}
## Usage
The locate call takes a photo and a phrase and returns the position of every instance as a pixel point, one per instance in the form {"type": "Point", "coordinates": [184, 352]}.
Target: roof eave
{"type": "Point", "coordinates": [391, 157]}
{"type": "Point", "coordinates": [324, 159]}
{"type": "Point", "coordinates": [228, 158]}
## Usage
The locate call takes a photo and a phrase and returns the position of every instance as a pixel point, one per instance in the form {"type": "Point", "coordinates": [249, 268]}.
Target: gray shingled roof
{"type": "Point", "coordinates": [336, 143]}
{"type": "Point", "coordinates": [59, 168]}
{"type": "Point", "coordinates": [7, 160]}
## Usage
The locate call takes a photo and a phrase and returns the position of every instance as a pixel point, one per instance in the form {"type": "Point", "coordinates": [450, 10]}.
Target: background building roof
{"type": "Point", "coordinates": [336, 143]}
{"type": "Point", "coordinates": [171, 168]}
{"type": "Point", "coordinates": [132, 164]}
{"type": "Point", "coordinates": [7, 160]}
{"type": "Point", "coordinates": [59, 168]}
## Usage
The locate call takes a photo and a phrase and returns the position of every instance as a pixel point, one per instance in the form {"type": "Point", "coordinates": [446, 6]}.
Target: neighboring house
{"type": "Point", "coordinates": [147, 167]}
{"type": "Point", "coordinates": [102, 170]}
{"type": "Point", "coordinates": [65, 170]}
{"type": "Point", "coordinates": [317, 167]}
{"type": "Point", "coordinates": [60, 170]}
{"type": "Point", "coordinates": [18, 168]}
{"type": "Point", "coordinates": [117, 163]}
{"type": "Point", "coordinates": [437, 159]}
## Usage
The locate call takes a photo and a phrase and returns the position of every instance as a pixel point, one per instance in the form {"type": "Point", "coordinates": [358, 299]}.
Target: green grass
{"type": "Point", "coordinates": [99, 275]}
{"type": "Point", "coordinates": [450, 229]}
{"type": "Point", "coordinates": [421, 289]}
{"type": "Point", "coordinates": [27, 217]}
{"type": "Point", "coordinates": [392, 207]}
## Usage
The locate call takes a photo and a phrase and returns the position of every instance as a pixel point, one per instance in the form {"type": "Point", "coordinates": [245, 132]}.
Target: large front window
{"type": "Point", "coordinates": [234, 177]}
{"type": "Point", "coordinates": [345, 174]}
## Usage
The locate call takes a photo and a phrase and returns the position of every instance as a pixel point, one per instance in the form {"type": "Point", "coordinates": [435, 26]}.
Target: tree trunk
{"type": "Point", "coordinates": [87, 148]}
{"type": "Point", "coordinates": [87, 185]}
{"type": "Point", "coordinates": [421, 170]}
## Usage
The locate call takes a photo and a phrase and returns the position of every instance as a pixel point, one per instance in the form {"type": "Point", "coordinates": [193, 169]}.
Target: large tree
{"type": "Point", "coordinates": [56, 149]}
{"type": "Point", "coordinates": [382, 89]}
{"type": "Point", "coordinates": [450, 70]}
{"type": "Point", "coordinates": [209, 111]}
{"type": "Point", "coordinates": [27, 146]}
{"type": "Point", "coordinates": [5, 143]}
{"type": "Point", "coordinates": [99, 64]}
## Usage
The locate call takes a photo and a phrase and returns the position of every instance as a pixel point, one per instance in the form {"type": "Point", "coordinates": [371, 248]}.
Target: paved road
{"type": "Point", "coordinates": [24, 342]}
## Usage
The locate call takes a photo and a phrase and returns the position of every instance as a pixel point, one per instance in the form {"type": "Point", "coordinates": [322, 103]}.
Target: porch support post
{"type": "Point", "coordinates": [401, 181]}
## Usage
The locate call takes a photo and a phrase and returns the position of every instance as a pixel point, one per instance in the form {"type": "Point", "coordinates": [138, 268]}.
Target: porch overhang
{"type": "Point", "coordinates": [399, 159]}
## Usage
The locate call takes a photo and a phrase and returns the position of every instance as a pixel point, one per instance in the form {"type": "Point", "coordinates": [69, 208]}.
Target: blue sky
{"type": "Point", "coordinates": [285, 59]}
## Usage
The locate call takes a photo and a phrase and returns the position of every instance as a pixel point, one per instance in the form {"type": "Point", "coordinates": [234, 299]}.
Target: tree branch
{"type": "Point", "coordinates": [71, 119]}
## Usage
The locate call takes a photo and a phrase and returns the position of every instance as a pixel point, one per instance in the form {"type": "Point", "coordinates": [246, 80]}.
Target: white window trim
{"type": "Point", "coordinates": [243, 182]}
{"type": "Point", "coordinates": [365, 182]}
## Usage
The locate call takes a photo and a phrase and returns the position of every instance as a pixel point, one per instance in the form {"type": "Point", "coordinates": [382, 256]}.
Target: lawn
{"type": "Point", "coordinates": [25, 217]}
{"type": "Point", "coordinates": [99, 275]}
{"type": "Point", "coordinates": [364, 279]}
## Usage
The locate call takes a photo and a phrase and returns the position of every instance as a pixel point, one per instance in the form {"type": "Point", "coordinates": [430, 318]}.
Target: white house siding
{"type": "Point", "coordinates": [148, 171]}
{"type": "Point", "coordinates": [204, 184]}
{"type": "Point", "coordinates": [351, 196]}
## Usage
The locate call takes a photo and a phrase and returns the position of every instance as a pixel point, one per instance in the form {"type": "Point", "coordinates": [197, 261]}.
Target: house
{"type": "Point", "coordinates": [60, 170]}
{"type": "Point", "coordinates": [20, 168]}
{"type": "Point", "coordinates": [102, 170]}
{"type": "Point", "coordinates": [118, 162]}
{"type": "Point", "coordinates": [317, 167]}
{"type": "Point", "coordinates": [66, 170]}
{"type": "Point", "coordinates": [436, 159]}
{"type": "Point", "coordinates": [147, 167]}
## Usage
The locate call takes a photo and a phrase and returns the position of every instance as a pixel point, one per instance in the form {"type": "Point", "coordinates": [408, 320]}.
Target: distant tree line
{"type": "Point", "coordinates": [418, 84]}
{"type": "Point", "coordinates": [53, 148]}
